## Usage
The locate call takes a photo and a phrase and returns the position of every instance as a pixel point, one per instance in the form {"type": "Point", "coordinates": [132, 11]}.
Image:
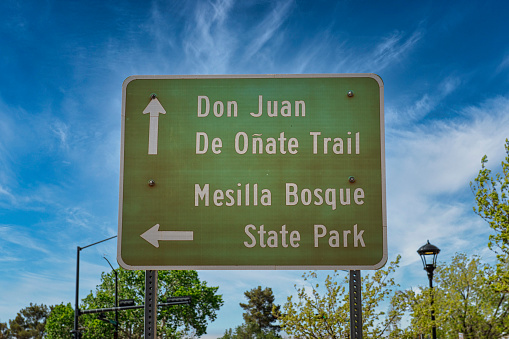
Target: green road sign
{"type": "Point", "coordinates": [252, 172]}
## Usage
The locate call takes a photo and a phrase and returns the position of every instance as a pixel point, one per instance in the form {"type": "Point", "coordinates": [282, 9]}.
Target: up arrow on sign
{"type": "Point", "coordinates": [154, 108]}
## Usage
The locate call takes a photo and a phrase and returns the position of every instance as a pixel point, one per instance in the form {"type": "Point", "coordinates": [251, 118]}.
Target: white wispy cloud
{"type": "Point", "coordinates": [343, 55]}
{"type": "Point", "coordinates": [33, 199]}
{"type": "Point", "coordinates": [49, 288]}
{"type": "Point", "coordinates": [392, 48]}
{"type": "Point", "coordinates": [208, 42]}
{"type": "Point", "coordinates": [78, 217]}
{"type": "Point", "coordinates": [61, 130]}
{"type": "Point", "coordinates": [5, 194]}
{"type": "Point", "coordinates": [503, 65]}
{"type": "Point", "coordinates": [214, 41]}
{"type": "Point", "coordinates": [21, 238]}
{"type": "Point", "coordinates": [429, 168]}
{"type": "Point", "coordinates": [10, 259]}
{"type": "Point", "coordinates": [423, 106]}
{"type": "Point", "coordinates": [328, 52]}
{"type": "Point", "coordinates": [267, 28]}
{"type": "Point", "coordinates": [7, 140]}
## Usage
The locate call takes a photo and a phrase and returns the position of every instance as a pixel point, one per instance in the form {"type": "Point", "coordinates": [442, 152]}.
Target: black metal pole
{"type": "Point", "coordinates": [116, 305]}
{"type": "Point", "coordinates": [115, 334]}
{"type": "Point", "coordinates": [76, 301]}
{"type": "Point", "coordinates": [355, 290]}
{"type": "Point", "coordinates": [150, 304]}
{"type": "Point", "coordinates": [434, 328]}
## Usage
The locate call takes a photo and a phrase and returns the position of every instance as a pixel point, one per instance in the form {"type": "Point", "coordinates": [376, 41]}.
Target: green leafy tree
{"type": "Point", "coordinates": [173, 322]}
{"type": "Point", "coordinates": [465, 300]}
{"type": "Point", "coordinates": [60, 321]}
{"type": "Point", "coordinates": [250, 330]}
{"type": "Point", "coordinates": [29, 322]}
{"type": "Point", "coordinates": [324, 312]}
{"type": "Point", "coordinates": [191, 318]}
{"type": "Point", "coordinates": [491, 195]}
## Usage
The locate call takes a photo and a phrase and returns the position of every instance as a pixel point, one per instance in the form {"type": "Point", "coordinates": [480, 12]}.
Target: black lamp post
{"type": "Point", "coordinates": [429, 253]}
{"type": "Point", "coordinates": [115, 334]}
{"type": "Point", "coordinates": [76, 333]}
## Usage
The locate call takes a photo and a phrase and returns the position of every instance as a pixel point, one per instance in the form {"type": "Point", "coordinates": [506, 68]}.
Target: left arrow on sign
{"type": "Point", "coordinates": [153, 235]}
{"type": "Point", "coordinates": [155, 108]}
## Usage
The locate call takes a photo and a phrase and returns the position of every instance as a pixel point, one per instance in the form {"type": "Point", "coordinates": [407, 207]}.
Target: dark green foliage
{"type": "Point", "coordinates": [173, 322]}
{"type": "Point", "coordinates": [259, 307]}
{"type": "Point", "coordinates": [4, 331]}
{"type": "Point", "coordinates": [259, 316]}
{"type": "Point", "coordinates": [29, 322]}
{"type": "Point", "coordinates": [191, 318]}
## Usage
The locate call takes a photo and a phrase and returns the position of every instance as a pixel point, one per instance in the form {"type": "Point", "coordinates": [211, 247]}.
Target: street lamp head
{"type": "Point", "coordinates": [429, 253]}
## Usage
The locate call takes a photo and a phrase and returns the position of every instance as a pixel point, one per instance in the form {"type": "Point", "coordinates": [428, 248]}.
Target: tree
{"type": "Point", "coordinates": [258, 316]}
{"type": "Point", "coordinates": [188, 318]}
{"type": "Point", "coordinates": [29, 322]}
{"type": "Point", "coordinates": [491, 195]}
{"type": "Point", "coordinates": [60, 321]}
{"type": "Point", "coordinates": [259, 309]}
{"type": "Point", "coordinates": [250, 330]}
{"type": "Point", "coordinates": [325, 312]}
{"type": "Point", "coordinates": [4, 331]}
{"type": "Point", "coordinates": [173, 322]}
{"type": "Point", "coordinates": [464, 301]}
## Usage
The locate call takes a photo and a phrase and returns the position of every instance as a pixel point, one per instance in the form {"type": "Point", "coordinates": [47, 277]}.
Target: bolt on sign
{"type": "Point", "coordinates": [252, 172]}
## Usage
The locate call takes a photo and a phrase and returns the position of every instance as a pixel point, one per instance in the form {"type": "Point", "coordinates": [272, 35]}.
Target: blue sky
{"type": "Point", "coordinates": [445, 68]}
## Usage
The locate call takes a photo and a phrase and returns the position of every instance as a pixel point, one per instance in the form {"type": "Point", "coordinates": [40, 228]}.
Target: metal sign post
{"type": "Point", "coordinates": [355, 305]}
{"type": "Point", "coordinates": [150, 304]}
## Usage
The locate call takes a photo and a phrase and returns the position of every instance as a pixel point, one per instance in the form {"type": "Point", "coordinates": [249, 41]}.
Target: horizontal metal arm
{"type": "Point", "coordinates": [170, 302]}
